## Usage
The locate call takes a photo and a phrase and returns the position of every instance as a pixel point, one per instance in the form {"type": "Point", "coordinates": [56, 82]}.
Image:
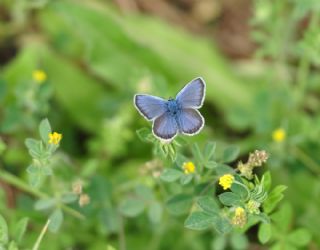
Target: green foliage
{"type": "Point", "coordinates": [19, 230]}
{"type": "Point", "coordinates": [136, 195]}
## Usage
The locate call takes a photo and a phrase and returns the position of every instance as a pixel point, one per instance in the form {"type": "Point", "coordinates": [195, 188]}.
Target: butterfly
{"type": "Point", "coordinates": [174, 116]}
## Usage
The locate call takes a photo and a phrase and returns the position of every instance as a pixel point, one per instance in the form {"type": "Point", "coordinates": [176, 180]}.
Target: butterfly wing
{"type": "Point", "coordinates": [150, 107]}
{"type": "Point", "coordinates": [190, 121]}
{"type": "Point", "coordinates": [192, 95]}
{"type": "Point", "coordinates": [165, 127]}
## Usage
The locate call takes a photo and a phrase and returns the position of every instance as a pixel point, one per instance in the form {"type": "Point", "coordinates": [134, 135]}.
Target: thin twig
{"type": "Point", "coordinates": [15, 181]}
{"type": "Point", "coordinates": [307, 160]}
{"type": "Point", "coordinates": [43, 231]}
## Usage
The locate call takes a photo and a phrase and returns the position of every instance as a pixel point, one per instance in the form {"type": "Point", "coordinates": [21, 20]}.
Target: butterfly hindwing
{"type": "Point", "coordinates": [190, 121]}
{"type": "Point", "coordinates": [192, 95]}
{"type": "Point", "coordinates": [150, 106]}
{"type": "Point", "coordinates": [165, 127]}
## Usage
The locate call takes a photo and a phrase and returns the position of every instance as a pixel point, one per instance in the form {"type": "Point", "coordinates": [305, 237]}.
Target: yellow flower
{"type": "Point", "coordinates": [279, 135]}
{"type": "Point", "coordinates": [54, 138]}
{"type": "Point", "coordinates": [188, 167]}
{"type": "Point", "coordinates": [39, 76]}
{"type": "Point", "coordinates": [226, 181]}
{"type": "Point", "coordinates": [240, 217]}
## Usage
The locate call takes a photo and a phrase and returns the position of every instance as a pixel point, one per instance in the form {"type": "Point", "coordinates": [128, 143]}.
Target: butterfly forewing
{"type": "Point", "coordinates": [150, 106]}
{"type": "Point", "coordinates": [192, 95]}
{"type": "Point", "coordinates": [165, 127]}
{"type": "Point", "coordinates": [190, 121]}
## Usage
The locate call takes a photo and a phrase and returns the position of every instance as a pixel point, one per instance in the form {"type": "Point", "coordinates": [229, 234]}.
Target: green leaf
{"type": "Point", "coordinates": [33, 169]}
{"type": "Point", "coordinates": [45, 130]}
{"type": "Point", "coordinates": [46, 170]}
{"type": "Point", "coordinates": [4, 237]}
{"type": "Point", "coordinates": [69, 198]}
{"type": "Point", "coordinates": [109, 247]}
{"type": "Point", "coordinates": [209, 150]}
{"type": "Point", "coordinates": [240, 190]}
{"type": "Point", "coordinates": [222, 224]}
{"type": "Point", "coordinates": [145, 135]}
{"type": "Point", "coordinates": [219, 243]}
{"type": "Point", "coordinates": [283, 217]}
{"type": "Point", "coordinates": [211, 164]}
{"type": "Point", "coordinates": [239, 241]}
{"type": "Point", "coordinates": [185, 179]}
{"type": "Point", "coordinates": [20, 229]}
{"type": "Point", "coordinates": [180, 159]}
{"type": "Point", "coordinates": [199, 221]}
{"type": "Point", "coordinates": [230, 154]}
{"type": "Point", "coordinates": [267, 181]}
{"type": "Point", "coordinates": [32, 144]}
{"type": "Point", "coordinates": [274, 198]}
{"type": "Point", "coordinates": [13, 246]}
{"type": "Point", "coordinates": [299, 237]}
{"type": "Point", "coordinates": [155, 212]}
{"type": "Point", "coordinates": [35, 179]}
{"type": "Point", "coordinates": [44, 204]}
{"type": "Point", "coordinates": [262, 217]}
{"type": "Point", "coordinates": [208, 204]}
{"type": "Point", "coordinates": [170, 174]}
{"type": "Point", "coordinates": [197, 153]}
{"type": "Point", "coordinates": [179, 204]}
{"type": "Point", "coordinates": [131, 207]}
{"type": "Point", "coordinates": [224, 169]}
{"type": "Point", "coordinates": [56, 219]}
{"type": "Point", "coordinates": [264, 233]}
{"type": "Point", "coordinates": [230, 199]}
{"type": "Point", "coordinates": [144, 193]}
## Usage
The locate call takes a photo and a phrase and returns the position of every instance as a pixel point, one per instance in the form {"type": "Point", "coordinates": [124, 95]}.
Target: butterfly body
{"type": "Point", "coordinates": [173, 107]}
{"type": "Point", "coordinates": [173, 116]}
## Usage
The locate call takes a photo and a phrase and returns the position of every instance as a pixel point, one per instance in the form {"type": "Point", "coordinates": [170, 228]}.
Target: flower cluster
{"type": "Point", "coordinates": [279, 135]}
{"type": "Point", "coordinates": [77, 189]}
{"type": "Point", "coordinates": [39, 76]}
{"type": "Point", "coordinates": [256, 159]}
{"type": "Point", "coordinates": [239, 218]}
{"type": "Point", "coordinates": [188, 167]}
{"type": "Point", "coordinates": [226, 181]}
{"type": "Point", "coordinates": [54, 138]}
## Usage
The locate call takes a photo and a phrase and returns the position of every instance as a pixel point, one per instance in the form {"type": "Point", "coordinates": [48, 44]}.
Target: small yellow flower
{"type": "Point", "coordinates": [279, 135]}
{"type": "Point", "coordinates": [189, 167]}
{"type": "Point", "coordinates": [240, 218]}
{"type": "Point", "coordinates": [55, 138]}
{"type": "Point", "coordinates": [226, 181]}
{"type": "Point", "coordinates": [39, 76]}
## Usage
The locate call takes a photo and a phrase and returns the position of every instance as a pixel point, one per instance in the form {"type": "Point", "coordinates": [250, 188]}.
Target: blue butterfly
{"type": "Point", "coordinates": [173, 116]}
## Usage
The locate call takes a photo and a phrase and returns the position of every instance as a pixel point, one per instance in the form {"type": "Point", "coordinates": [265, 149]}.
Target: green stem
{"type": "Point", "coordinates": [43, 231]}
{"type": "Point", "coordinates": [122, 238]}
{"type": "Point", "coordinates": [307, 160]}
{"type": "Point", "coordinates": [304, 65]}
{"type": "Point", "coordinates": [15, 181]}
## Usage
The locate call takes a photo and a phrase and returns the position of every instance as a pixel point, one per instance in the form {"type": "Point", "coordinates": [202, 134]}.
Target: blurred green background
{"type": "Point", "coordinates": [260, 60]}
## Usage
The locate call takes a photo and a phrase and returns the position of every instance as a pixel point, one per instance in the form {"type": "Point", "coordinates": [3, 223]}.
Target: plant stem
{"type": "Point", "coordinates": [43, 231]}
{"type": "Point", "coordinates": [122, 238]}
{"type": "Point", "coordinates": [307, 160]}
{"type": "Point", "coordinates": [304, 65]}
{"type": "Point", "coordinates": [15, 181]}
